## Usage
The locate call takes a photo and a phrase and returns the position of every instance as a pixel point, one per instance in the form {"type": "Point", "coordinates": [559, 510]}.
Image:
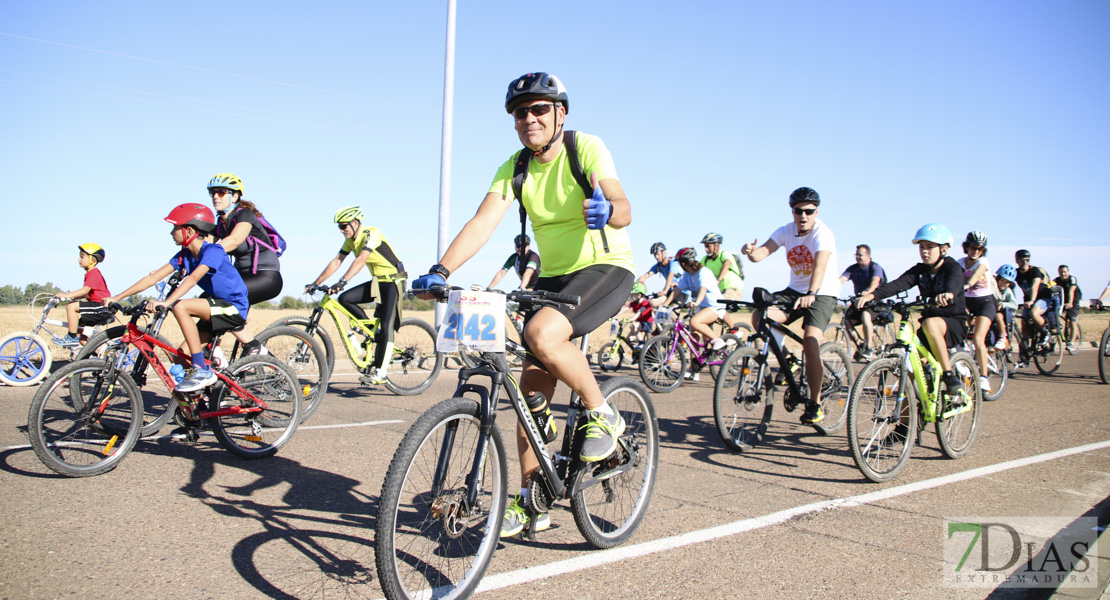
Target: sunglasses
{"type": "Point", "coordinates": [343, 226]}
{"type": "Point", "coordinates": [805, 211]}
{"type": "Point", "coordinates": [521, 112]}
{"type": "Point", "coordinates": [218, 193]}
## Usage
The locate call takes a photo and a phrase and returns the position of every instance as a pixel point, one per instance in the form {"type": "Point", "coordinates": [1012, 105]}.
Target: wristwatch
{"type": "Point", "coordinates": [810, 293]}
{"type": "Point", "coordinates": [440, 270]}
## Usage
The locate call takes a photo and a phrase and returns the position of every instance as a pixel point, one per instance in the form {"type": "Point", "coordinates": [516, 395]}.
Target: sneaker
{"type": "Point", "coordinates": [717, 344]}
{"type": "Point", "coordinates": [867, 354]}
{"type": "Point", "coordinates": [602, 431]}
{"type": "Point", "coordinates": [68, 341]}
{"type": "Point", "coordinates": [813, 414]}
{"type": "Point", "coordinates": [254, 348]}
{"type": "Point", "coordinates": [516, 519]}
{"type": "Point", "coordinates": [1072, 348]}
{"type": "Point", "coordinates": [692, 376]}
{"type": "Point", "coordinates": [1001, 344]}
{"type": "Point", "coordinates": [376, 377]}
{"type": "Point", "coordinates": [985, 384]}
{"type": "Point", "coordinates": [952, 383]}
{"type": "Point", "coordinates": [196, 379]}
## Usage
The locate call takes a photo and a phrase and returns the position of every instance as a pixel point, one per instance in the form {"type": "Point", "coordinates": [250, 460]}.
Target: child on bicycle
{"type": "Point", "coordinates": [641, 308]}
{"type": "Point", "coordinates": [698, 281]}
{"type": "Point", "coordinates": [88, 312]}
{"type": "Point", "coordinates": [224, 305]}
{"type": "Point", "coordinates": [939, 278]}
{"type": "Point", "coordinates": [1007, 303]}
{"type": "Point", "coordinates": [979, 297]}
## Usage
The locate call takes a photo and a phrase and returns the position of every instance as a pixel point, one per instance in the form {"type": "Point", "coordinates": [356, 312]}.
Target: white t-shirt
{"type": "Point", "coordinates": [982, 287]}
{"type": "Point", "coordinates": [693, 282]}
{"type": "Point", "coordinates": [801, 255]}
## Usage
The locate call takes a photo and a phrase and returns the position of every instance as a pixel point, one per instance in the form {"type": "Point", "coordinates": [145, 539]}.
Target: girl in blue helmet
{"type": "Point", "coordinates": [941, 279]}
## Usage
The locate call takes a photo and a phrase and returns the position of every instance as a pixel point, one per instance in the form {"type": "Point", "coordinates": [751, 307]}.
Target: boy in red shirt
{"type": "Point", "coordinates": [641, 307]}
{"type": "Point", "coordinates": [88, 312]}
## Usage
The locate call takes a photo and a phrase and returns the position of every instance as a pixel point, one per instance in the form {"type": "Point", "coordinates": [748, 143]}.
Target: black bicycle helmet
{"type": "Point", "coordinates": [522, 240]}
{"type": "Point", "coordinates": [536, 85]}
{"type": "Point", "coordinates": [658, 247]}
{"type": "Point", "coordinates": [804, 195]}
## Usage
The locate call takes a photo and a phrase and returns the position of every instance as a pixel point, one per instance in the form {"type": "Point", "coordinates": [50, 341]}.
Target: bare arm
{"type": "Point", "coordinates": [756, 254]}
{"type": "Point", "coordinates": [152, 278]}
{"type": "Point", "coordinates": [332, 267]}
{"type": "Point", "coordinates": [75, 295]}
{"type": "Point", "coordinates": [497, 278]}
{"type": "Point", "coordinates": [237, 236]}
{"type": "Point", "coordinates": [360, 261]}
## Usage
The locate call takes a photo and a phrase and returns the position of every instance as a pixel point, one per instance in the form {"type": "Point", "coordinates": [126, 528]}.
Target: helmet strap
{"type": "Point", "coordinates": [185, 243]}
{"type": "Point", "coordinates": [558, 130]}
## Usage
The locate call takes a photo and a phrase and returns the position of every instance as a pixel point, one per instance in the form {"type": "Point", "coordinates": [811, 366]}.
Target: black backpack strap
{"type": "Point", "coordinates": [520, 173]}
{"type": "Point", "coordinates": [575, 164]}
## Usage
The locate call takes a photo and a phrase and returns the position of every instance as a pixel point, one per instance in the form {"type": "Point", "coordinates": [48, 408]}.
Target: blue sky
{"type": "Point", "coordinates": [986, 115]}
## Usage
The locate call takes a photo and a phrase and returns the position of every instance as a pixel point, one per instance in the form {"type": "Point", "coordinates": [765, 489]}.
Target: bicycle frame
{"type": "Point", "coordinates": [684, 336]}
{"type": "Point", "coordinates": [771, 344]}
{"type": "Point", "coordinates": [914, 357]}
{"type": "Point", "coordinates": [367, 327]}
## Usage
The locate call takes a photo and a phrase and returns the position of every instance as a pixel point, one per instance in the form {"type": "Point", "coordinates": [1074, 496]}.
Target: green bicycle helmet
{"type": "Point", "coordinates": [639, 288]}
{"type": "Point", "coordinates": [348, 214]}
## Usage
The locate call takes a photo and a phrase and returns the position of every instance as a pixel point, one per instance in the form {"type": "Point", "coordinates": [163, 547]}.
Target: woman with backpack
{"type": "Point", "coordinates": [241, 230]}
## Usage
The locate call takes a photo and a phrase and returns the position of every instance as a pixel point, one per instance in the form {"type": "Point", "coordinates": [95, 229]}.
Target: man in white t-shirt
{"type": "Point", "coordinates": [814, 284]}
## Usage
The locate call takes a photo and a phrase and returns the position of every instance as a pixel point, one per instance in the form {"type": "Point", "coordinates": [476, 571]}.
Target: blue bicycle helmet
{"type": "Point", "coordinates": [935, 233]}
{"type": "Point", "coordinates": [1008, 272]}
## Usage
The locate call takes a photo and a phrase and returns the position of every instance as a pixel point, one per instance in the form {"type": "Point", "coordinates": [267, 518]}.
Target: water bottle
{"type": "Point", "coordinates": [219, 361]}
{"type": "Point", "coordinates": [177, 372]}
{"type": "Point", "coordinates": [614, 327]}
{"type": "Point", "coordinates": [359, 345]}
{"type": "Point", "coordinates": [541, 412]}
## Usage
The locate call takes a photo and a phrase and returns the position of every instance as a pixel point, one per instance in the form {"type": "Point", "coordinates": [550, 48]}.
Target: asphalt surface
{"type": "Point", "coordinates": [792, 518]}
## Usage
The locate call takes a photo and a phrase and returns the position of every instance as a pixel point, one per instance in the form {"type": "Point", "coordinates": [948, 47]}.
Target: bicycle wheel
{"type": "Point", "coordinates": [741, 408]}
{"type": "Point", "coordinates": [435, 535]}
{"type": "Point", "coordinates": [88, 433]}
{"type": "Point", "coordinates": [743, 330]}
{"type": "Point", "coordinates": [415, 362]}
{"type": "Point", "coordinates": [998, 373]}
{"type": "Point", "coordinates": [1048, 355]}
{"type": "Point", "coordinates": [158, 402]}
{"type": "Point", "coordinates": [956, 432]}
{"type": "Point", "coordinates": [836, 384]}
{"type": "Point", "coordinates": [732, 342]}
{"type": "Point", "coordinates": [256, 433]}
{"type": "Point", "coordinates": [610, 357]}
{"type": "Point", "coordinates": [321, 334]}
{"type": "Point", "coordinates": [882, 420]}
{"type": "Point", "coordinates": [884, 336]}
{"type": "Point", "coordinates": [607, 513]}
{"type": "Point", "coordinates": [1066, 337]}
{"type": "Point", "coordinates": [24, 359]}
{"type": "Point", "coordinates": [662, 364]}
{"type": "Point", "coordinates": [1104, 357]}
{"type": "Point", "coordinates": [304, 355]}
{"type": "Point", "coordinates": [835, 334]}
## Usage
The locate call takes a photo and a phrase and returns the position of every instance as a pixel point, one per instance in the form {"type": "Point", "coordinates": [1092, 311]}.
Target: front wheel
{"type": "Point", "coordinates": [1104, 357]}
{"type": "Point", "coordinates": [958, 422]}
{"type": "Point", "coordinates": [607, 513]}
{"type": "Point", "coordinates": [88, 432]}
{"type": "Point", "coordinates": [24, 359]}
{"type": "Point", "coordinates": [662, 363]}
{"type": "Point", "coordinates": [836, 384]}
{"type": "Point", "coordinates": [882, 419]}
{"type": "Point", "coordinates": [158, 402]}
{"type": "Point", "coordinates": [610, 357]}
{"type": "Point", "coordinates": [741, 409]}
{"type": "Point", "coordinates": [436, 532]}
{"type": "Point", "coordinates": [415, 363]}
{"type": "Point", "coordinates": [998, 373]}
{"type": "Point", "coordinates": [302, 352]}
{"type": "Point", "coordinates": [256, 426]}
{"type": "Point", "coordinates": [1048, 355]}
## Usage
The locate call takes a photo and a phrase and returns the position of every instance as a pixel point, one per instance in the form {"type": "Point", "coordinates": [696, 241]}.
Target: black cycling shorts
{"type": "Point", "coordinates": [982, 306]}
{"type": "Point", "coordinates": [954, 335]}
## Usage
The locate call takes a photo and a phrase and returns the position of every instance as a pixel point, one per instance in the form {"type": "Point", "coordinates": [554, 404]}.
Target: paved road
{"type": "Point", "coordinates": [176, 520]}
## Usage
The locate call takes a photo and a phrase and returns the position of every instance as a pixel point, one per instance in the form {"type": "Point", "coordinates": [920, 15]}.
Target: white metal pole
{"type": "Point", "coordinates": [445, 150]}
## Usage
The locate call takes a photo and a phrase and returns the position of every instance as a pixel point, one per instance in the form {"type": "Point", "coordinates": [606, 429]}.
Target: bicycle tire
{"type": "Point", "coordinates": [608, 513]}
{"type": "Point", "coordinates": [322, 336]}
{"type": "Point", "coordinates": [426, 543]}
{"type": "Point", "coordinates": [1104, 357]}
{"type": "Point", "coordinates": [737, 342]}
{"type": "Point", "coordinates": [257, 434]}
{"type": "Point", "coordinates": [836, 384]}
{"type": "Point", "coordinates": [998, 373]}
{"type": "Point", "coordinates": [835, 334]}
{"type": "Point", "coordinates": [24, 359]}
{"type": "Point", "coordinates": [741, 406]}
{"type": "Point", "coordinates": [72, 443]}
{"type": "Point", "coordinates": [1048, 359]}
{"type": "Point", "coordinates": [885, 335]}
{"type": "Point", "coordinates": [159, 404]}
{"type": "Point", "coordinates": [662, 369]}
{"type": "Point", "coordinates": [415, 363]}
{"type": "Point", "coordinates": [302, 352]}
{"type": "Point", "coordinates": [610, 357]}
{"type": "Point", "coordinates": [957, 434]}
{"type": "Point", "coordinates": [1066, 335]}
{"type": "Point", "coordinates": [880, 448]}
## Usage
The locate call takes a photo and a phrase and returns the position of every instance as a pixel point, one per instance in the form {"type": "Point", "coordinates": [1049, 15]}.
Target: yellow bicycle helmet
{"type": "Point", "coordinates": [93, 250]}
{"type": "Point", "coordinates": [226, 180]}
{"type": "Point", "coordinates": [348, 214]}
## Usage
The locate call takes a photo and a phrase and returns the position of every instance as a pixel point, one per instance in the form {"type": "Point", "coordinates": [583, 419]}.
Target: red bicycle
{"type": "Point", "coordinates": [88, 415]}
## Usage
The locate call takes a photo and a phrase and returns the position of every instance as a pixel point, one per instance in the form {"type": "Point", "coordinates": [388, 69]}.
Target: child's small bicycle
{"type": "Point", "coordinates": [898, 394]}
{"type": "Point", "coordinates": [664, 363]}
{"type": "Point", "coordinates": [88, 415]}
{"type": "Point", "coordinates": [25, 358]}
{"type": "Point", "coordinates": [411, 369]}
{"type": "Point", "coordinates": [612, 355]}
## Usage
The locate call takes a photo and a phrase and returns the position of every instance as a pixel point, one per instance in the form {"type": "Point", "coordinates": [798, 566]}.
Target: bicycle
{"type": "Point", "coordinates": [887, 410]}
{"type": "Point", "coordinates": [998, 363]}
{"type": "Point", "coordinates": [612, 355]}
{"type": "Point", "coordinates": [847, 336]}
{"type": "Point", "coordinates": [88, 415]}
{"type": "Point", "coordinates": [743, 397]}
{"type": "Point", "coordinates": [514, 330]}
{"type": "Point", "coordinates": [1071, 330]}
{"type": "Point", "coordinates": [293, 346]}
{"type": "Point", "coordinates": [444, 494]}
{"type": "Point", "coordinates": [1103, 347]}
{"type": "Point", "coordinates": [25, 358]}
{"type": "Point", "coordinates": [1045, 349]}
{"type": "Point", "coordinates": [412, 367]}
{"type": "Point", "coordinates": [664, 363]}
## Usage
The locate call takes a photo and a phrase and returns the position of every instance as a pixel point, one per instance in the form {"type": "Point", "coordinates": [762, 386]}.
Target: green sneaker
{"type": "Point", "coordinates": [602, 431]}
{"type": "Point", "coordinates": [813, 414]}
{"type": "Point", "coordinates": [516, 519]}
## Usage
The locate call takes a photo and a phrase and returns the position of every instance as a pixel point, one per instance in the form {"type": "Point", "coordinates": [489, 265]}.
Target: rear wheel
{"type": "Point", "coordinates": [741, 408]}
{"type": "Point", "coordinates": [610, 357]}
{"type": "Point", "coordinates": [1104, 357]}
{"type": "Point", "coordinates": [158, 402]}
{"type": "Point", "coordinates": [250, 432]}
{"type": "Point", "coordinates": [1048, 355]}
{"type": "Point", "coordinates": [1072, 329]}
{"type": "Point", "coordinates": [415, 363]}
{"type": "Point", "coordinates": [662, 363]}
{"type": "Point", "coordinates": [24, 359]}
{"type": "Point", "coordinates": [957, 431]}
{"type": "Point", "coordinates": [322, 336]}
{"type": "Point", "coordinates": [836, 384]}
{"type": "Point", "coordinates": [882, 420]}
{"type": "Point", "coordinates": [302, 352]}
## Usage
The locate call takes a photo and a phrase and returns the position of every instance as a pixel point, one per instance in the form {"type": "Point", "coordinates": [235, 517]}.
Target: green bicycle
{"type": "Point", "coordinates": [887, 410]}
{"type": "Point", "coordinates": [414, 364]}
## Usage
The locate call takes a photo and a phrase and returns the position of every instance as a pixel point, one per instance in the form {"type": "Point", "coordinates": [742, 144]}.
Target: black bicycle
{"type": "Point", "coordinates": [743, 398]}
{"type": "Point", "coordinates": [444, 494]}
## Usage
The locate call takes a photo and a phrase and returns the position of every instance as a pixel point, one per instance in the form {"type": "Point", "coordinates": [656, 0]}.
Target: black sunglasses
{"type": "Point", "coordinates": [804, 211]}
{"type": "Point", "coordinates": [345, 225]}
{"type": "Point", "coordinates": [521, 112]}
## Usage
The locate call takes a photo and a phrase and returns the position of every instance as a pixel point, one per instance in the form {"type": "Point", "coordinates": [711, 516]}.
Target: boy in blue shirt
{"type": "Point", "coordinates": [224, 304]}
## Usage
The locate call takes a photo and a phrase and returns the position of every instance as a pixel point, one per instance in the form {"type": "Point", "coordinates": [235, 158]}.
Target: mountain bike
{"type": "Point", "coordinates": [744, 395]}
{"type": "Point", "coordinates": [897, 395]}
{"type": "Point", "coordinates": [291, 345]}
{"type": "Point", "coordinates": [444, 495]}
{"type": "Point", "coordinates": [612, 355]}
{"type": "Point", "coordinates": [664, 362]}
{"type": "Point", "coordinates": [25, 358]}
{"type": "Point", "coordinates": [413, 365]}
{"type": "Point", "coordinates": [1045, 349]}
{"type": "Point", "coordinates": [883, 321]}
{"type": "Point", "coordinates": [88, 415]}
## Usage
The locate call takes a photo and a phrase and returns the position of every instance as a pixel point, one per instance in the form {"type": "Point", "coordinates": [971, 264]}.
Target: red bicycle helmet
{"type": "Point", "coordinates": [197, 216]}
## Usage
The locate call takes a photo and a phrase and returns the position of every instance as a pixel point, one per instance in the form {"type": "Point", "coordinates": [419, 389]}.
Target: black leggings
{"type": "Point", "coordinates": [388, 311]}
{"type": "Point", "coordinates": [262, 286]}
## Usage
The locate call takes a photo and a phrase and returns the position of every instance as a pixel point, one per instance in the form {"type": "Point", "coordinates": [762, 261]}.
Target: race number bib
{"type": "Point", "coordinates": [475, 321]}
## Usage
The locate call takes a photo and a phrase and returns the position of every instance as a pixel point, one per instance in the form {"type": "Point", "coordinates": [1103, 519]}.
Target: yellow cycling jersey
{"type": "Point", "coordinates": [382, 262]}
